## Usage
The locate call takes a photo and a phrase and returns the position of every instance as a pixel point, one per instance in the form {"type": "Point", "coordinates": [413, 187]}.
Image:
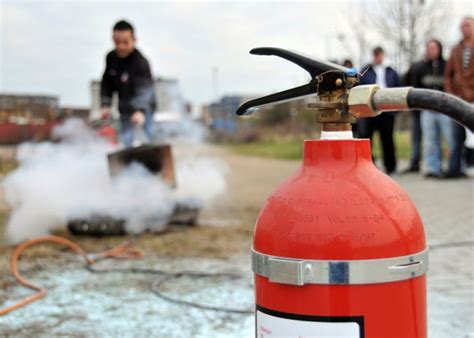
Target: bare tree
{"type": "Point", "coordinates": [361, 38]}
{"type": "Point", "coordinates": [407, 24]}
{"type": "Point", "coordinates": [402, 26]}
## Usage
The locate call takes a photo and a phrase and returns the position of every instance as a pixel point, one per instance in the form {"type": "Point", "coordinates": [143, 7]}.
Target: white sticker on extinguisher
{"type": "Point", "coordinates": [288, 325]}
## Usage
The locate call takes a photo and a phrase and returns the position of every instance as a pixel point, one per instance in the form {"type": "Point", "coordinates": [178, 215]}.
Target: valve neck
{"type": "Point", "coordinates": [344, 151]}
{"type": "Point", "coordinates": [337, 135]}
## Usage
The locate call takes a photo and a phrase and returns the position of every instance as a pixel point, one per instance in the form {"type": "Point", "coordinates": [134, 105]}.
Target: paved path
{"type": "Point", "coordinates": [447, 209]}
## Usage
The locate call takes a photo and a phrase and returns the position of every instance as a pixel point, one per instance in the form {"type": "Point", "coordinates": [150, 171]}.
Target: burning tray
{"type": "Point", "coordinates": [158, 160]}
{"type": "Point", "coordinates": [102, 225]}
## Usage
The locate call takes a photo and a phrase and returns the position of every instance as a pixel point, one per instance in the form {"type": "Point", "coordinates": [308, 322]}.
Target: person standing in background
{"type": "Point", "coordinates": [415, 125]}
{"type": "Point", "coordinates": [459, 81]}
{"type": "Point", "coordinates": [430, 75]}
{"type": "Point", "coordinates": [384, 76]}
{"type": "Point", "coordinates": [127, 73]}
{"type": "Point", "coordinates": [348, 63]}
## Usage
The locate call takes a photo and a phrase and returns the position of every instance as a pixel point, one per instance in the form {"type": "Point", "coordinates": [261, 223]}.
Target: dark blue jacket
{"type": "Point", "coordinates": [391, 77]}
{"type": "Point", "coordinates": [369, 77]}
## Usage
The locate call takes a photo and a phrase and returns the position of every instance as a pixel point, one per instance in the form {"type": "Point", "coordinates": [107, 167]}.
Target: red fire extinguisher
{"type": "Point", "coordinates": [339, 248]}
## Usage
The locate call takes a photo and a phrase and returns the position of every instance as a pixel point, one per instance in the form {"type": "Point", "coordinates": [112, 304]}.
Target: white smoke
{"type": "Point", "coordinates": [57, 182]}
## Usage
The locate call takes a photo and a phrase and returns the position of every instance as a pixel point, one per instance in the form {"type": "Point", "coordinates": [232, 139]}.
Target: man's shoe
{"type": "Point", "coordinates": [410, 170]}
{"type": "Point", "coordinates": [455, 175]}
{"type": "Point", "coordinates": [433, 175]}
{"type": "Point", "coordinates": [469, 171]}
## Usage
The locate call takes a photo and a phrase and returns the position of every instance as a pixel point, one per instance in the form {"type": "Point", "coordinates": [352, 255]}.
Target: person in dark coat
{"type": "Point", "coordinates": [127, 73]}
{"type": "Point", "coordinates": [384, 76]}
{"type": "Point", "coordinates": [415, 123]}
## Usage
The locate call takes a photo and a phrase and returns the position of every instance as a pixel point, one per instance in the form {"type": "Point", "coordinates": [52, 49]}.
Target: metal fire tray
{"type": "Point", "coordinates": [103, 225]}
{"type": "Point", "coordinates": [157, 158]}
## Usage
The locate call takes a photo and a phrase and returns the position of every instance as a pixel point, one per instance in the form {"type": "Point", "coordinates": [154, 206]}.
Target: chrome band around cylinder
{"type": "Point", "coordinates": [292, 271]}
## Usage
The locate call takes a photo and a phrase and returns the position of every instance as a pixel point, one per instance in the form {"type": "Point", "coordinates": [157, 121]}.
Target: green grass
{"type": "Point", "coordinates": [292, 148]}
{"type": "Point", "coordinates": [402, 145]}
{"type": "Point", "coordinates": [289, 149]}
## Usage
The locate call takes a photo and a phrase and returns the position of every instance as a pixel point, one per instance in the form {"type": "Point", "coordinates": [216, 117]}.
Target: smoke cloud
{"type": "Point", "coordinates": [58, 182]}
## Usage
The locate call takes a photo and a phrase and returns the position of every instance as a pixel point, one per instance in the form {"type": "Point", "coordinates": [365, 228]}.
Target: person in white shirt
{"type": "Point", "coordinates": [379, 73]}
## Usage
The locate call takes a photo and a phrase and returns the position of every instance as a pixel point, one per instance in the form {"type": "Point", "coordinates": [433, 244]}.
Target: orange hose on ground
{"type": "Point", "coordinates": [122, 251]}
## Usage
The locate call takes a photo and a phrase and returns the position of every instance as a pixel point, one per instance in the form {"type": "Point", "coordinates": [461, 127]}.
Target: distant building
{"type": "Point", "coordinates": [167, 93]}
{"type": "Point", "coordinates": [28, 108]}
{"type": "Point", "coordinates": [168, 96]}
{"type": "Point", "coordinates": [95, 111]}
{"type": "Point", "coordinates": [27, 117]}
{"type": "Point", "coordinates": [82, 113]}
{"type": "Point", "coordinates": [220, 115]}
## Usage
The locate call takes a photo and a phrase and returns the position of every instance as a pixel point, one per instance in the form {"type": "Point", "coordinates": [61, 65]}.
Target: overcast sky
{"type": "Point", "coordinates": [59, 47]}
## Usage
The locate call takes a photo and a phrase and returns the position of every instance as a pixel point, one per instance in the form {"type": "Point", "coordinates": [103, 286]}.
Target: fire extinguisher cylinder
{"type": "Point", "coordinates": [339, 248]}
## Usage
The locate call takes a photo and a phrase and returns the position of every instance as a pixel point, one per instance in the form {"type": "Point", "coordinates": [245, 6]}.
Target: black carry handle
{"type": "Point", "coordinates": [323, 78]}
{"type": "Point", "coordinates": [312, 65]}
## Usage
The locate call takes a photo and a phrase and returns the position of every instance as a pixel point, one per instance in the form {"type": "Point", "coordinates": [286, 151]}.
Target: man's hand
{"type": "Point", "coordinates": [105, 114]}
{"type": "Point", "coordinates": [138, 118]}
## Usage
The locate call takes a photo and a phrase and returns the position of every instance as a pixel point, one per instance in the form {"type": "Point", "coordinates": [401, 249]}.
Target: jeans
{"type": "Point", "coordinates": [131, 133]}
{"type": "Point", "coordinates": [434, 126]}
{"type": "Point", "coordinates": [459, 136]}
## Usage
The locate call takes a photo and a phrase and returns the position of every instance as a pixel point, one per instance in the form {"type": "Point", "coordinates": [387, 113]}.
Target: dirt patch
{"type": "Point", "coordinates": [225, 228]}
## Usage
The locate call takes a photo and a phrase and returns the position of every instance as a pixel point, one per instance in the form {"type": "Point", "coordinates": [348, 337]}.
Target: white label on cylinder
{"type": "Point", "coordinates": [272, 326]}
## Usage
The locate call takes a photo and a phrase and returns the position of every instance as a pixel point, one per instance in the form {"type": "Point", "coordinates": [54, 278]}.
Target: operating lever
{"type": "Point", "coordinates": [325, 77]}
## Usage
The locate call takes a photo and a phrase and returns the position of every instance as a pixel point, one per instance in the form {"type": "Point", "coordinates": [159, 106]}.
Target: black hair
{"type": "Point", "coordinates": [123, 25]}
{"type": "Point", "coordinates": [440, 46]}
{"type": "Point", "coordinates": [378, 50]}
{"type": "Point", "coordinates": [348, 63]}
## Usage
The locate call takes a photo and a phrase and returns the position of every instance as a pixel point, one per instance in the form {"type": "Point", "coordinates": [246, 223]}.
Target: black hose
{"type": "Point", "coordinates": [447, 104]}
{"type": "Point", "coordinates": [167, 276]}
{"type": "Point", "coordinates": [157, 286]}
